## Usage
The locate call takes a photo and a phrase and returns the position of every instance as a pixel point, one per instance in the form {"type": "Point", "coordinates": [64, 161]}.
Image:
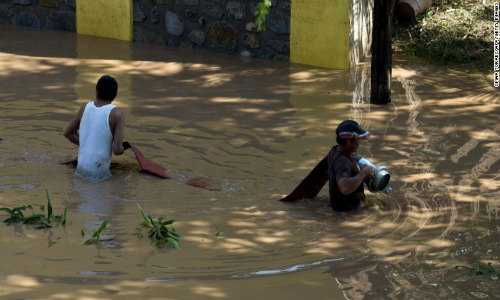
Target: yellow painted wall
{"type": "Point", "coordinates": [320, 33]}
{"type": "Point", "coordinates": [98, 57]}
{"type": "Point", "coordinates": [106, 18]}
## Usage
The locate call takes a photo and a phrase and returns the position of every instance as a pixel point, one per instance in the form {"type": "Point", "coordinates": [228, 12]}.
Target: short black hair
{"type": "Point", "coordinates": [107, 87]}
{"type": "Point", "coordinates": [342, 142]}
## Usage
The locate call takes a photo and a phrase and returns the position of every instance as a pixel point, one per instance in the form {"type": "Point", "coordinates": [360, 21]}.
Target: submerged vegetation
{"type": "Point", "coordinates": [41, 220]}
{"type": "Point", "coordinates": [482, 269]}
{"type": "Point", "coordinates": [96, 234]}
{"type": "Point", "coordinates": [452, 33]}
{"type": "Point", "coordinates": [159, 230]}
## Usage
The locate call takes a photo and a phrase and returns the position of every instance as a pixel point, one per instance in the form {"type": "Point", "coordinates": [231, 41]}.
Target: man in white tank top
{"type": "Point", "coordinates": [98, 129]}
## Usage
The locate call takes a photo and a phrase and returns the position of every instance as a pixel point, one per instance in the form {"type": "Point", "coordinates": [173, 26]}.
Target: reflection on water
{"type": "Point", "coordinates": [99, 199]}
{"type": "Point", "coordinates": [257, 127]}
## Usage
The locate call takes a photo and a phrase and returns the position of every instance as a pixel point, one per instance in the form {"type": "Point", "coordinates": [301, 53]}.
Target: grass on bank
{"type": "Point", "coordinates": [452, 33]}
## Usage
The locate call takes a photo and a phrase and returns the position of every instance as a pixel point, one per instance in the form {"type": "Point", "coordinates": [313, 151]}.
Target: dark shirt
{"type": "Point", "coordinates": [340, 166]}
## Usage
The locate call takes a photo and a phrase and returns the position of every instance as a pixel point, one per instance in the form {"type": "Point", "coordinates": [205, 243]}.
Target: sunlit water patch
{"type": "Point", "coordinates": [255, 129]}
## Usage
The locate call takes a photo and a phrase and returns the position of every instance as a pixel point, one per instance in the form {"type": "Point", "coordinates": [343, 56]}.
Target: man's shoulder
{"type": "Point", "coordinates": [115, 116]}
{"type": "Point", "coordinates": [80, 112]}
{"type": "Point", "coordinates": [117, 112]}
{"type": "Point", "coordinates": [335, 156]}
{"type": "Point", "coordinates": [341, 159]}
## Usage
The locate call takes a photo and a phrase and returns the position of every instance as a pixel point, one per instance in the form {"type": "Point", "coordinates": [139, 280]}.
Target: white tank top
{"type": "Point", "coordinates": [96, 143]}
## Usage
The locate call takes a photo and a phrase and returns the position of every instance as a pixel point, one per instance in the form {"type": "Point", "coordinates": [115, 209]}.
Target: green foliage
{"type": "Point", "coordinates": [41, 220]}
{"type": "Point", "coordinates": [262, 10]}
{"type": "Point", "coordinates": [450, 33]}
{"type": "Point", "coordinates": [138, 232]}
{"type": "Point", "coordinates": [482, 269]}
{"type": "Point", "coordinates": [16, 213]}
{"type": "Point", "coordinates": [96, 234]}
{"type": "Point", "coordinates": [159, 230]}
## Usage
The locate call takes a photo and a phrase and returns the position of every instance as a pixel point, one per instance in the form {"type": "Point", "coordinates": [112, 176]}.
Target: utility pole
{"type": "Point", "coordinates": [381, 70]}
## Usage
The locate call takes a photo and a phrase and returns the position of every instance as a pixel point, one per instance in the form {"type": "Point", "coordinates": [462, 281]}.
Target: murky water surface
{"type": "Point", "coordinates": [257, 128]}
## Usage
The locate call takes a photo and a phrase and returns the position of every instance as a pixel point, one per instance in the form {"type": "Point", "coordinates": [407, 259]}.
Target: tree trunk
{"type": "Point", "coordinates": [381, 52]}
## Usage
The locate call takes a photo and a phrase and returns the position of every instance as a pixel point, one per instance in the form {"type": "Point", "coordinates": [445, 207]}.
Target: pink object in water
{"type": "Point", "coordinates": [147, 165]}
{"type": "Point", "coordinates": [204, 183]}
{"type": "Point", "coordinates": [156, 169]}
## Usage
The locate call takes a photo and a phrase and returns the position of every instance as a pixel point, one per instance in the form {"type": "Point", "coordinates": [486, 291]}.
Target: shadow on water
{"type": "Point", "coordinates": [257, 127]}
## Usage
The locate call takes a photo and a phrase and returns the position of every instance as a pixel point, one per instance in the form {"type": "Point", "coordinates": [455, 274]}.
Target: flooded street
{"type": "Point", "coordinates": [256, 128]}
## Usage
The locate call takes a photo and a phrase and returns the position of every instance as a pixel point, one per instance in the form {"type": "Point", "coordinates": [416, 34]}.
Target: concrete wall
{"type": "Point", "coordinates": [215, 25]}
{"type": "Point", "coordinates": [325, 33]}
{"type": "Point", "coordinates": [320, 33]}
{"type": "Point", "coordinates": [330, 33]}
{"type": "Point", "coordinates": [106, 18]}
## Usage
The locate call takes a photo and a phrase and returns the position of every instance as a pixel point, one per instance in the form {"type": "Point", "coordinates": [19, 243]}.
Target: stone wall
{"type": "Point", "coordinates": [216, 25]}
{"type": "Point", "coordinates": [47, 14]}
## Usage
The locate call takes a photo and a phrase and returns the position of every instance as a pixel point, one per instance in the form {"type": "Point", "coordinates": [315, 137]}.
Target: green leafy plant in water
{"type": "Point", "coordinates": [159, 230]}
{"type": "Point", "coordinates": [138, 232]}
{"type": "Point", "coordinates": [16, 213]}
{"type": "Point", "coordinates": [43, 221]}
{"type": "Point", "coordinates": [481, 269]}
{"type": "Point", "coordinates": [261, 11]}
{"type": "Point", "coordinates": [96, 234]}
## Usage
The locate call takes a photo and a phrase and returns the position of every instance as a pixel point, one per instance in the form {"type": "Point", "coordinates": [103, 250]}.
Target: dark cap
{"type": "Point", "coordinates": [350, 129]}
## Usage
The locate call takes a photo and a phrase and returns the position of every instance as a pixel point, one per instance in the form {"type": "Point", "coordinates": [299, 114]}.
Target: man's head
{"type": "Point", "coordinates": [106, 88]}
{"type": "Point", "coordinates": [349, 133]}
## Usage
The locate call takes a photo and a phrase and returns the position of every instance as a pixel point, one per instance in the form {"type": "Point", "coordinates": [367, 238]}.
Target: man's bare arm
{"type": "Point", "coordinates": [118, 119]}
{"type": "Point", "coordinates": [349, 185]}
{"type": "Point", "coordinates": [71, 131]}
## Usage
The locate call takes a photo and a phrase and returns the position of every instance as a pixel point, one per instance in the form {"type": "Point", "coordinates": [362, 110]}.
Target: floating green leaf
{"type": "Point", "coordinates": [173, 242]}
{"type": "Point", "coordinates": [17, 215]}
{"type": "Point", "coordinates": [49, 206]}
{"type": "Point", "coordinates": [96, 234]}
{"type": "Point", "coordinates": [159, 230]}
{"type": "Point", "coordinates": [217, 233]}
{"type": "Point", "coordinates": [147, 218]}
{"type": "Point", "coordinates": [64, 215]}
{"type": "Point", "coordinates": [138, 232]}
{"type": "Point", "coordinates": [9, 211]}
{"type": "Point", "coordinates": [481, 269]}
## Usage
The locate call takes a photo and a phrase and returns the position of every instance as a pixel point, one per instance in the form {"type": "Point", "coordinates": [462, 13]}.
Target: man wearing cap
{"type": "Point", "coordinates": [344, 176]}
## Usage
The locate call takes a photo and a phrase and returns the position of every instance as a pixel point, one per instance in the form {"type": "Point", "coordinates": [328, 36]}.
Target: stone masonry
{"type": "Point", "coordinates": [214, 25]}
{"type": "Point", "coordinates": [43, 14]}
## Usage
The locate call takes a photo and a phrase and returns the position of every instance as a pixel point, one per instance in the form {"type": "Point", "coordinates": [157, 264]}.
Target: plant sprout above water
{"type": "Point", "coordinates": [159, 230]}
{"type": "Point", "coordinates": [43, 221]}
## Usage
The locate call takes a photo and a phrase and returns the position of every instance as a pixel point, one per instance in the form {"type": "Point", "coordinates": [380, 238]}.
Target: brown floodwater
{"type": "Point", "coordinates": [256, 128]}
